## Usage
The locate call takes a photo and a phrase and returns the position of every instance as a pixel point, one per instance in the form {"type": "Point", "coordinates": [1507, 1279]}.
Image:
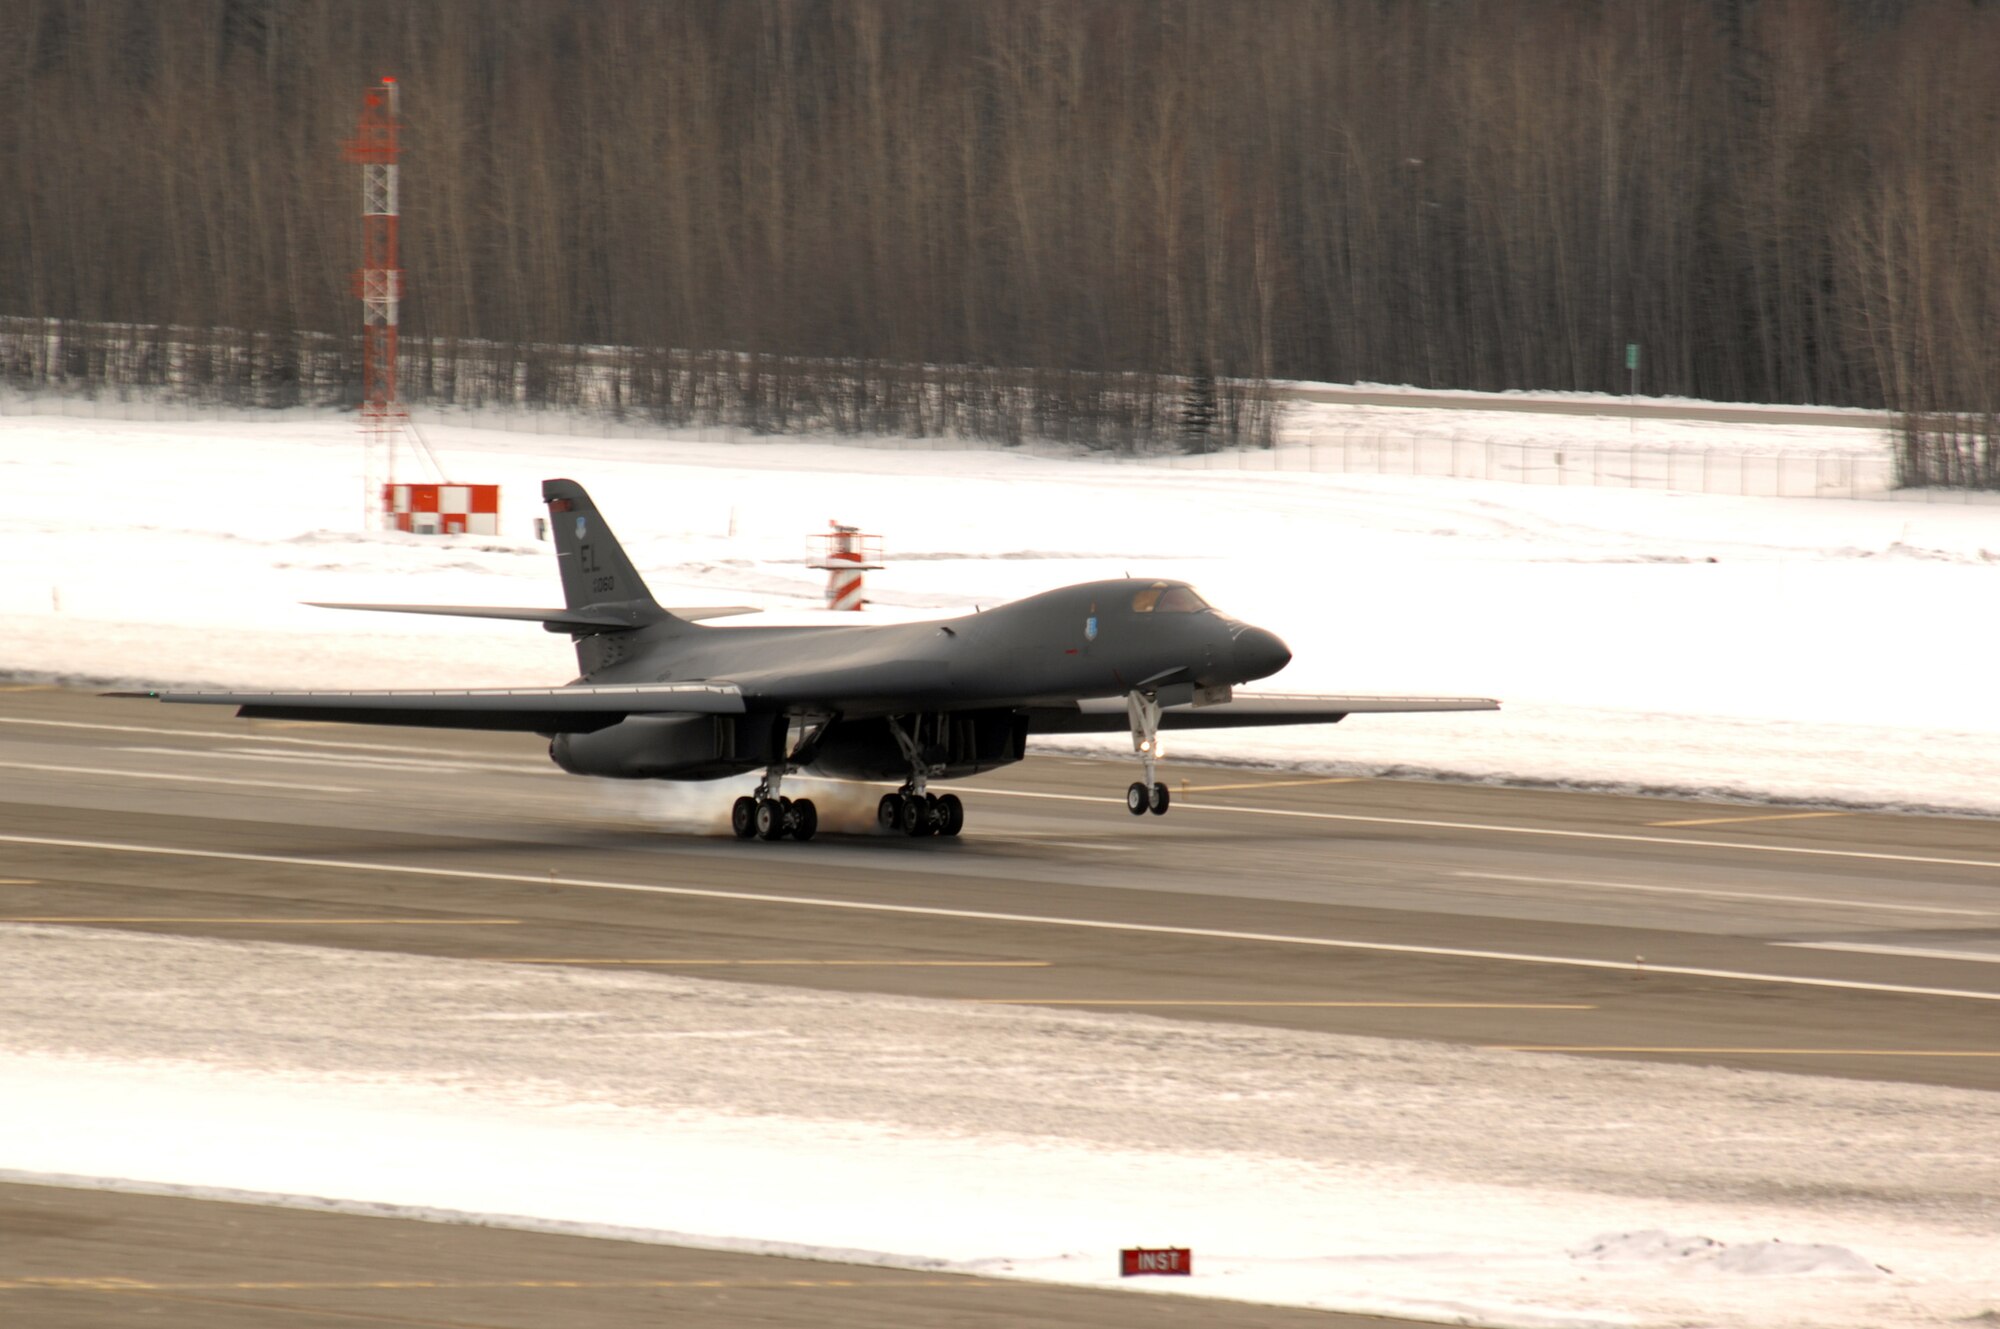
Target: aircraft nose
{"type": "Point", "coordinates": [1259, 653]}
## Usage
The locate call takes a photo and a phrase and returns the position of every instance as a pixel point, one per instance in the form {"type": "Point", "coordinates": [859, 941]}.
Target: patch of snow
{"type": "Point", "coordinates": [1743, 648]}
{"type": "Point", "coordinates": [1399, 1178]}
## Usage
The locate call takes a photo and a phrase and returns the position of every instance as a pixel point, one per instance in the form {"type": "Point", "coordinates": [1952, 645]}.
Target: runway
{"type": "Point", "coordinates": [1777, 938]}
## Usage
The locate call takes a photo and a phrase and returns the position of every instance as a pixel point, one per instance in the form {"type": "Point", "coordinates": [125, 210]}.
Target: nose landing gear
{"type": "Point", "coordinates": [1148, 795]}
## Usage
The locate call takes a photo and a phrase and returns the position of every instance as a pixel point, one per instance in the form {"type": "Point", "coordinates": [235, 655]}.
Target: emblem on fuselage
{"type": "Point", "coordinates": [1090, 628]}
{"type": "Point", "coordinates": [581, 527]}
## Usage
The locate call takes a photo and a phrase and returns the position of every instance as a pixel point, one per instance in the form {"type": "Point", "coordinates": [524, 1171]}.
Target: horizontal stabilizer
{"type": "Point", "coordinates": [1106, 715]}
{"type": "Point", "coordinates": [555, 620]}
{"type": "Point", "coordinates": [578, 709]}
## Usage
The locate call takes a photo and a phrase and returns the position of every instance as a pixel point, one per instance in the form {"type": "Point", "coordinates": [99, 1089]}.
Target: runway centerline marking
{"type": "Point", "coordinates": [247, 734]}
{"type": "Point", "coordinates": [1272, 784]}
{"type": "Point", "coordinates": [1731, 895]}
{"type": "Point", "coordinates": [358, 760]}
{"type": "Point", "coordinates": [543, 881]}
{"type": "Point", "coordinates": [838, 964]}
{"type": "Point", "coordinates": [1762, 816]}
{"type": "Point", "coordinates": [1328, 1005]}
{"type": "Point", "coordinates": [1425, 823]}
{"type": "Point", "coordinates": [174, 777]}
{"type": "Point", "coordinates": [1884, 948]}
{"type": "Point", "coordinates": [1747, 1052]}
{"type": "Point", "coordinates": [290, 922]}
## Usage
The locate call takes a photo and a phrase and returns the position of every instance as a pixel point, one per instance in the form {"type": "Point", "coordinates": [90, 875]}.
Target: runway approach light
{"type": "Point", "coordinates": [1155, 1260]}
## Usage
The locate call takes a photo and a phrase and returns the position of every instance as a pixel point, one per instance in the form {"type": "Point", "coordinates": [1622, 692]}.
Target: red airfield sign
{"type": "Point", "coordinates": [1152, 1260]}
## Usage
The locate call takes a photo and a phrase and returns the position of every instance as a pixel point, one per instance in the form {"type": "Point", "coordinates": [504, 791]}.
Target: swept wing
{"type": "Point", "coordinates": [555, 620]}
{"type": "Point", "coordinates": [1106, 715]}
{"type": "Point", "coordinates": [580, 708]}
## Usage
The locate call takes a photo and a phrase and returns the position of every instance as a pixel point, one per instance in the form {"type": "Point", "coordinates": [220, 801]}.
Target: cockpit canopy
{"type": "Point", "coordinates": [1167, 598]}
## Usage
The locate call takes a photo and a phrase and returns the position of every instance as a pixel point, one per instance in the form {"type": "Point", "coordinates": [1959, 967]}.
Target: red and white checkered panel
{"type": "Point", "coordinates": [443, 509]}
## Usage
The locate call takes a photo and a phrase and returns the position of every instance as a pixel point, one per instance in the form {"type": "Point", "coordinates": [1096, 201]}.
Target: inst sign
{"type": "Point", "coordinates": [1163, 1260]}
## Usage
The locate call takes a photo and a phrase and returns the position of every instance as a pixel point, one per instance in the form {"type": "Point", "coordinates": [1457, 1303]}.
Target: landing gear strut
{"type": "Point", "coordinates": [1148, 795]}
{"type": "Point", "coordinates": [768, 815]}
{"type": "Point", "coordinates": [913, 810]}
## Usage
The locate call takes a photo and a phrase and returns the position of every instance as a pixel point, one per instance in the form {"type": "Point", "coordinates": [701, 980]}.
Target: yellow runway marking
{"type": "Point", "coordinates": [1274, 784]}
{"type": "Point", "coordinates": [1754, 1052]}
{"type": "Point", "coordinates": [288, 922]}
{"type": "Point", "coordinates": [462, 1285]}
{"type": "Point", "coordinates": [1340, 1005]}
{"type": "Point", "coordinates": [1763, 816]}
{"type": "Point", "coordinates": [852, 964]}
{"type": "Point", "coordinates": [17, 881]}
{"type": "Point", "coordinates": [27, 687]}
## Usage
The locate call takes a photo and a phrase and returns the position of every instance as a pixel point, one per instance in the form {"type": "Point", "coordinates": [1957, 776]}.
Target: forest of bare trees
{"type": "Point", "coordinates": [1086, 204]}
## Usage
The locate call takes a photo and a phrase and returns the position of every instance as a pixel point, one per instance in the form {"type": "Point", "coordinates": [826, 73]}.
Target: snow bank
{"type": "Point", "coordinates": [1808, 651]}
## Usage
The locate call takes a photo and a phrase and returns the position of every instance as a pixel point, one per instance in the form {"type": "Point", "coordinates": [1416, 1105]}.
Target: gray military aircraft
{"type": "Point", "coordinates": [663, 698]}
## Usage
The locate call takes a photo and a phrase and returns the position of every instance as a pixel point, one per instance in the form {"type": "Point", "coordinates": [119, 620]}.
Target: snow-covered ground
{"type": "Point", "coordinates": [1791, 649]}
{"type": "Point", "coordinates": [1804, 650]}
{"type": "Point", "coordinates": [1364, 1174]}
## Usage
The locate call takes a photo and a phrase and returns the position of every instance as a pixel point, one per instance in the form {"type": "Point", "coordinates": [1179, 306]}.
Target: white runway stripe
{"type": "Point", "coordinates": [980, 915]}
{"type": "Point", "coordinates": [175, 777]}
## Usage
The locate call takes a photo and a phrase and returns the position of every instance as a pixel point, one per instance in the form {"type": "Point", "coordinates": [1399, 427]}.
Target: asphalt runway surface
{"type": "Point", "coordinates": [1786, 939]}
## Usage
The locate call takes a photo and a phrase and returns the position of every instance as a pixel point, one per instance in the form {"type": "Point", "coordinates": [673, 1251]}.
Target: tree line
{"type": "Point", "coordinates": [1066, 207]}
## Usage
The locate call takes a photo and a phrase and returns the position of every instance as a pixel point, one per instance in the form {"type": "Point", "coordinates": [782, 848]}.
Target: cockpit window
{"type": "Point", "coordinates": [1165, 599]}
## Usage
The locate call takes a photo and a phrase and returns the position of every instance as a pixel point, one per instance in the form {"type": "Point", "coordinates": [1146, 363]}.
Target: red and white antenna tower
{"type": "Point", "coordinates": [376, 145]}
{"type": "Point", "coordinates": [844, 554]}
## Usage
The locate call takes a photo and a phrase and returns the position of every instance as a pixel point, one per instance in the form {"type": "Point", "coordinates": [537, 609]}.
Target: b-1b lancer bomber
{"type": "Point", "coordinates": [664, 697]}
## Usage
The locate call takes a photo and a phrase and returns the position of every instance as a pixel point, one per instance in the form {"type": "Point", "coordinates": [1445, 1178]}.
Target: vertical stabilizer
{"type": "Point", "coordinates": [596, 574]}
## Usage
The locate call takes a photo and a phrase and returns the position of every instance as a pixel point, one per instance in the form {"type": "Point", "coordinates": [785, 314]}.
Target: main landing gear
{"type": "Point", "coordinates": [912, 809]}
{"type": "Point", "coordinates": [767, 815]}
{"type": "Point", "coordinates": [917, 815]}
{"type": "Point", "coordinates": [763, 817]}
{"type": "Point", "coordinates": [1147, 795]}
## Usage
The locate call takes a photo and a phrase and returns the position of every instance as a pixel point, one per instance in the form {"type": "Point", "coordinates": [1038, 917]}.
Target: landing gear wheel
{"type": "Point", "coordinates": [771, 820]}
{"type": "Point", "coordinates": [915, 818]}
{"type": "Point", "coordinates": [805, 819]}
{"type": "Point", "coordinates": [889, 811]}
{"type": "Point", "coordinates": [1160, 800]}
{"type": "Point", "coordinates": [1137, 799]}
{"type": "Point", "coordinates": [743, 817]}
{"type": "Point", "coordinates": [952, 813]}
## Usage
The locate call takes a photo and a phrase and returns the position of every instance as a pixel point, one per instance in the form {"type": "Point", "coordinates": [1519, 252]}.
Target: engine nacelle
{"type": "Point", "coordinates": [962, 743]}
{"type": "Point", "coordinates": [671, 747]}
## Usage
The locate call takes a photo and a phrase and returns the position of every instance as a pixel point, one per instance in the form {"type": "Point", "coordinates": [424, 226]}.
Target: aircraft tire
{"type": "Point", "coordinates": [1137, 799]}
{"type": "Point", "coordinates": [771, 820]}
{"type": "Point", "coordinates": [915, 818]}
{"type": "Point", "coordinates": [889, 812]}
{"type": "Point", "coordinates": [1161, 800]}
{"type": "Point", "coordinates": [952, 810]}
{"type": "Point", "coordinates": [743, 818]}
{"type": "Point", "coordinates": [805, 819]}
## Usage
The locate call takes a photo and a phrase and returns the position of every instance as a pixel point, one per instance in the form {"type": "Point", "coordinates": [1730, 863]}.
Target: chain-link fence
{"type": "Point", "coordinates": [1768, 473]}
